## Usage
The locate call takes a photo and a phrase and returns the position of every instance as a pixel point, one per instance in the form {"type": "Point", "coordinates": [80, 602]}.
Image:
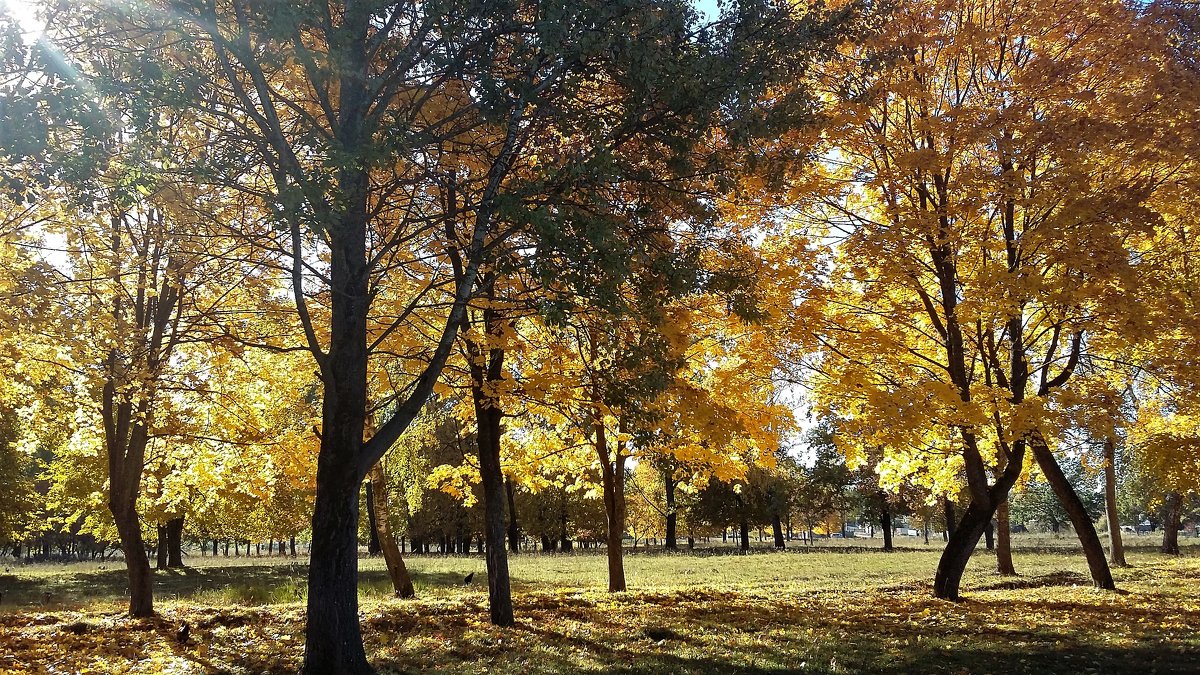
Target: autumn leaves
{"type": "Point", "coordinates": [596, 234]}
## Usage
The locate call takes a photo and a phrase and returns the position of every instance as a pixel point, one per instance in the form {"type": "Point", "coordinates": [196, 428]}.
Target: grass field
{"type": "Point", "coordinates": [844, 608]}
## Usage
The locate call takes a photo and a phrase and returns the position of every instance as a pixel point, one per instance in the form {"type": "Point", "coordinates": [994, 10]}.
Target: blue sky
{"type": "Point", "coordinates": [708, 8]}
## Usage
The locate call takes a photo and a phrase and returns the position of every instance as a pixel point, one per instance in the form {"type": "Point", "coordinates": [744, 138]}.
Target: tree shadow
{"type": "Point", "coordinates": [253, 584]}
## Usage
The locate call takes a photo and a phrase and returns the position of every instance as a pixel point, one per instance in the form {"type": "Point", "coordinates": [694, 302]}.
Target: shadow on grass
{"type": "Point", "coordinates": [263, 584]}
{"type": "Point", "coordinates": [731, 633]}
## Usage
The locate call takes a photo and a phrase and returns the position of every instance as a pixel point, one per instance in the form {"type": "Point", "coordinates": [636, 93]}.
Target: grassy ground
{"type": "Point", "coordinates": [844, 608]}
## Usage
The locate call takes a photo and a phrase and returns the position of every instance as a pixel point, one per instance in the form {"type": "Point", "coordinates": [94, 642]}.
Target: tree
{"type": "Point", "coordinates": [962, 280]}
{"type": "Point", "coordinates": [352, 115]}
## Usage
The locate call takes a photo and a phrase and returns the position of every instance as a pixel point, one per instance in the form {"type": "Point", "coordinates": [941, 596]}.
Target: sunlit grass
{"type": "Point", "coordinates": [826, 610]}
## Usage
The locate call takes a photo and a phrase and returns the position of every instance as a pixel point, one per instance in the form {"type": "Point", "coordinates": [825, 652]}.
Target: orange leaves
{"type": "Point", "coordinates": [999, 171]}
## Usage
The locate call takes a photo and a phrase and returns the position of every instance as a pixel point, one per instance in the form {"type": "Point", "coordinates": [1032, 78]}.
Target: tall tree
{"type": "Point", "coordinates": [409, 137]}
{"type": "Point", "coordinates": [963, 277]}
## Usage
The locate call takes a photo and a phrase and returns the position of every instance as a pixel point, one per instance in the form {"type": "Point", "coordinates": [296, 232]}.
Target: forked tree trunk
{"type": "Point", "coordinates": [959, 548]}
{"type": "Point", "coordinates": [1004, 559]}
{"type": "Point", "coordinates": [126, 464]}
{"type": "Point", "coordinates": [1116, 548]}
{"type": "Point", "coordinates": [1174, 511]}
{"type": "Point", "coordinates": [984, 502]}
{"type": "Point", "coordinates": [402, 583]}
{"type": "Point", "coordinates": [1082, 522]}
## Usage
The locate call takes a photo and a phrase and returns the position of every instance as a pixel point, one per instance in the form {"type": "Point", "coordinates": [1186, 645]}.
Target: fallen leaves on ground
{"type": "Point", "coordinates": [1054, 623]}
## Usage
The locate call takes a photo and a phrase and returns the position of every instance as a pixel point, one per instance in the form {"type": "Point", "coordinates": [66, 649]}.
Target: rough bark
{"type": "Point", "coordinates": [1116, 549]}
{"type": "Point", "coordinates": [402, 583]}
{"type": "Point", "coordinates": [126, 464]}
{"type": "Point", "coordinates": [1080, 519]}
{"type": "Point", "coordinates": [1173, 512]}
{"type": "Point", "coordinates": [984, 502]}
{"type": "Point", "coordinates": [333, 639]}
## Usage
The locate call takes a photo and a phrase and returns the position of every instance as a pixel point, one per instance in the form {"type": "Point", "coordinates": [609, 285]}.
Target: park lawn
{"type": "Point", "coordinates": [825, 611]}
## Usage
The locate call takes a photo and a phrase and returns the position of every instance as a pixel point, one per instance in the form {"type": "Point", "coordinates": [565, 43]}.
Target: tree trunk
{"type": "Point", "coordinates": [175, 542]}
{"type": "Point", "coordinates": [1174, 510]}
{"type": "Point", "coordinates": [488, 418]}
{"type": "Point", "coordinates": [777, 530]}
{"type": "Point", "coordinates": [160, 548]}
{"type": "Point", "coordinates": [989, 536]}
{"type": "Point", "coordinates": [958, 550]}
{"type": "Point", "coordinates": [1116, 549]}
{"type": "Point", "coordinates": [402, 583]}
{"type": "Point", "coordinates": [672, 517]}
{"type": "Point", "coordinates": [979, 512]}
{"type": "Point", "coordinates": [125, 440]}
{"type": "Point", "coordinates": [333, 640]}
{"type": "Point", "coordinates": [126, 465]}
{"type": "Point", "coordinates": [885, 522]}
{"type": "Point", "coordinates": [612, 473]}
{"type": "Point", "coordinates": [514, 528]}
{"type": "Point", "coordinates": [1004, 559]}
{"type": "Point", "coordinates": [137, 565]}
{"type": "Point", "coordinates": [487, 369]}
{"type": "Point", "coordinates": [373, 545]}
{"type": "Point", "coordinates": [743, 525]}
{"type": "Point", "coordinates": [1084, 528]}
{"type": "Point", "coordinates": [951, 518]}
